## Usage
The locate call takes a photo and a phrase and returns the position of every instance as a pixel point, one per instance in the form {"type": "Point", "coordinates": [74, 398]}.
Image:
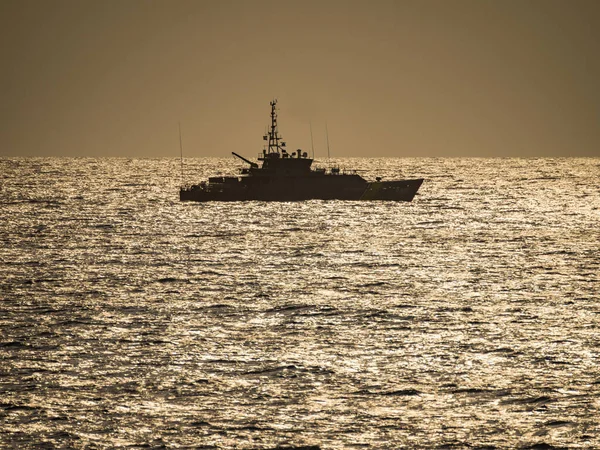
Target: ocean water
{"type": "Point", "coordinates": [468, 318]}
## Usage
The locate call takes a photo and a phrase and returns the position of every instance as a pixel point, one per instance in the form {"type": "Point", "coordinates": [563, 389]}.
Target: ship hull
{"type": "Point", "coordinates": [298, 190]}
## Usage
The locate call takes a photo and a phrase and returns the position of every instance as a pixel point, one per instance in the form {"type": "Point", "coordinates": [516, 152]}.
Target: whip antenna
{"type": "Point", "coordinates": [181, 151]}
{"type": "Point", "coordinates": [312, 145]}
{"type": "Point", "coordinates": [327, 137]}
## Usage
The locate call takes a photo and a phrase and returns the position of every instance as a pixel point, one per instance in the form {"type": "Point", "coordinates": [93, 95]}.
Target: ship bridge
{"type": "Point", "coordinates": [284, 163]}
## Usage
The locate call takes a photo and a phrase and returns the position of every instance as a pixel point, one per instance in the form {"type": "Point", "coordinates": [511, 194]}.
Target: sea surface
{"type": "Point", "coordinates": [469, 318]}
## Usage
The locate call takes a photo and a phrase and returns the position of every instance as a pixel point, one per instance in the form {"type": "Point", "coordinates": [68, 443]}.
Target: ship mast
{"type": "Point", "coordinates": [273, 135]}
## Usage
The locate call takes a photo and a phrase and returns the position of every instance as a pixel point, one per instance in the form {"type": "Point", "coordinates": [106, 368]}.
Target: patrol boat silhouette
{"type": "Point", "coordinates": [287, 176]}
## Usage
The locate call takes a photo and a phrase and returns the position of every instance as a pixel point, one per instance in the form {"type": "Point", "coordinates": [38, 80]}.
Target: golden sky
{"type": "Point", "coordinates": [389, 78]}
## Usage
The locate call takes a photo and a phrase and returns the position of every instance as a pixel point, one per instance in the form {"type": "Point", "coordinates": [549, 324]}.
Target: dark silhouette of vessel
{"type": "Point", "coordinates": [287, 176]}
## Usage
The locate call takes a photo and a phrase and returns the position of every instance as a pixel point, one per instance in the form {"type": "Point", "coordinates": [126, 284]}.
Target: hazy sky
{"type": "Point", "coordinates": [390, 78]}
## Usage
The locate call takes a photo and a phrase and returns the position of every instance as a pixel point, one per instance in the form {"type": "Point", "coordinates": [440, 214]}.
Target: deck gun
{"type": "Point", "coordinates": [252, 164]}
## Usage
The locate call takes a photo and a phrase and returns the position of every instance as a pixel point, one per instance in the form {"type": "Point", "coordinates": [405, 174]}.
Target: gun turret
{"type": "Point", "coordinates": [252, 164]}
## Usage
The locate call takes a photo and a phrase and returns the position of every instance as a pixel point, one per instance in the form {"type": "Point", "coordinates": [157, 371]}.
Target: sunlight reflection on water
{"type": "Point", "coordinates": [466, 318]}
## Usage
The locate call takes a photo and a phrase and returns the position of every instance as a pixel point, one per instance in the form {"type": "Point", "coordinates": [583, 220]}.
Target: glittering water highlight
{"type": "Point", "coordinates": [467, 318]}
